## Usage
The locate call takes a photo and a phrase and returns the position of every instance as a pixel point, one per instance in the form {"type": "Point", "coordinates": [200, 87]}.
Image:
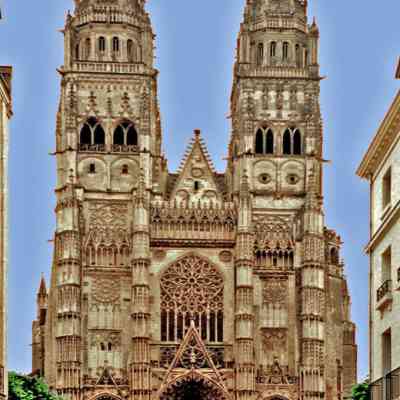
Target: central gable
{"type": "Point", "coordinates": [196, 181]}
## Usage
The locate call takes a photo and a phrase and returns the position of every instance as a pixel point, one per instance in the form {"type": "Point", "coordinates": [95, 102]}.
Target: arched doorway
{"type": "Point", "coordinates": [193, 388]}
{"type": "Point", "coordinates": [107, 396]}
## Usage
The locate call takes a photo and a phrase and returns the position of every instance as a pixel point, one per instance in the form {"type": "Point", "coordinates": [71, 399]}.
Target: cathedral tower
{"type": "Point", "coordinates": [194, 284]}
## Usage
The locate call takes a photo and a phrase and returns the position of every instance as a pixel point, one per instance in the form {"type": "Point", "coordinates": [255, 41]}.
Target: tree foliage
{"type": "Point", "coordinates": [23, 387]}
{"type": "Point", "coordinates": [361, 391]}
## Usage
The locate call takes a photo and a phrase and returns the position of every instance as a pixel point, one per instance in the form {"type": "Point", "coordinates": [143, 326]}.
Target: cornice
{"type": "Point", "coordinates": [387, 133]}
{"type": "Point", "coordinates": [386, 224]}
{"type": "Point", "coordinates": [5, 87]}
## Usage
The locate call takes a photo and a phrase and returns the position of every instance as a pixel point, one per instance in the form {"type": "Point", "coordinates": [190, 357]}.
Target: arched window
{"type": "Point", "coordinates": [86, 135]}
{"type": "Point", "coordinates": [125, 134]}
{"type": "Point", "coordinates": [102, 44]}
{"type": "Point", "coordinates": [260, 54]}
{"type": "Point", "coordinates": [99, 135]}
{"type": "Point", "coordinates": [131, 136]}
{"type": "Point", "coordinates": [298, 56]}
{"type": "Point", "coordinates": [115, 44]}
{"type": "Point", "coordinates": [77, 52]}
{"type": "Point", "coordinates": [192, 290]}
{"type": "Point", "coordinates": [130, 51]}
{"type": "Point", "coordinates": [297, 148]}
{"type": "Point", "coordinates": [92, 133]}
{"type": "Point", "coordinates": [260, 142]}
{"type": "Point", "coordinates": [306, 58]}
{"type": "Point", "coordinates": [125, 169]}
{"type": "Point", "coordinates": [119, 135]}
{"type": "Point", "coordinates": [270, 142]}
{"type": "Point", "coordinates": [287, 142]}
{"type": "Point", "coordinates": [285, 50]}
{"type": "Point", "coordinates": [87, 49]}
{"type": "Point", "coordinates": [272, 49]}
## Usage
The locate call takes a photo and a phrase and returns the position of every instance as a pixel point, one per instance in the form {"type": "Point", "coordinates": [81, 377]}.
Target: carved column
{"type": "Point", "coordinates": [140, 381]}
{"type": "Point", "coordinates": [244, 316]}
{"type": "Point", "coordinates": [68, 289]}
{"type": "Point", "coordinates": [312, 373]}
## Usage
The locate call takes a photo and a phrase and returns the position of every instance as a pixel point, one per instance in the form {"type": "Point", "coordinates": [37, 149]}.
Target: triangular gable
{"type": "Point", "coordinates": [196, 180]}
{"type": "Point", "coordinates": [193, 356]}
{"type": "Point", "coordinates": [106, 378]}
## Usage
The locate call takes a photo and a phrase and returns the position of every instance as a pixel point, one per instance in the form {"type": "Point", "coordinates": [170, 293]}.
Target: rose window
{"type": "Point", "coordinates": [192, 289]}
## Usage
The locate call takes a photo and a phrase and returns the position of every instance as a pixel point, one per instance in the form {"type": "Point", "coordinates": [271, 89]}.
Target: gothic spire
{"type": "Point", "coordinates": [42, 287]}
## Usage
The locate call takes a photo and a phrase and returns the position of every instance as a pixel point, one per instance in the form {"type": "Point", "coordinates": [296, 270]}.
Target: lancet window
{"type": "Point", "coordinates": [102, 44]}
{"type": "Point", "coordinates": [272, 49]}
{"type": "Point", "coordinates": [260, 54]}
{"type": "Point", "coordinates": [192, 290]}
{"type": "Point", "coordinates": [285, 51]}
{"type": "Point", "coordinates": [131, 51]}
{"type": "Point", "coordinates": [264, 141]}
{"type": "Point", "coordinates": [292, 142]}
{"type": "Point", "coordinates": [92, 136]}
{"type": "Point", "coordinates": [125, 137]}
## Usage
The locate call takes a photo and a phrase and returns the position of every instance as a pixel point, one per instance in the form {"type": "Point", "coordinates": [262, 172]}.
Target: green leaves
{"type": "Point", "coordinates": [361, 391]}
{"type": "Point", "coordinates": [23, 387]}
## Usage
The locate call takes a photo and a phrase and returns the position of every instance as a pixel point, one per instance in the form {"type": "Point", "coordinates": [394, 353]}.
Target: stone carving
{"type": "Point", "coordinates": [273, 232]}
{"type": "Point", "coordinates": [106, 291]}
{"type": "Point", "coordinates": [106, 341]}
{"type": "Point", "coordinates": [274, 340]}
{"type": "Point", "coordinates": [192, 285]}
{"type": "Point", "coordinates": [275, 292]}
{"type": "Point", "coordinates": [226, 256]}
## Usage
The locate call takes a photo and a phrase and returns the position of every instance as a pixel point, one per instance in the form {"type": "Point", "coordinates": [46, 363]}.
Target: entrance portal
{"type": "Point", "coordinates": [193, 389]}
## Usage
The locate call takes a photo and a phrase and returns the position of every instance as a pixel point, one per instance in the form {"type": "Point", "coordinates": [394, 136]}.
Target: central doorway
{"type": "Point", "coordinates": [193, 389]}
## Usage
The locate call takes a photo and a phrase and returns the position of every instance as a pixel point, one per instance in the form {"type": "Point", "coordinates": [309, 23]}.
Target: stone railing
{"type": "Point", "coordinates": [118, 148]}
{"type": "Point", "coordinates": [111, 67]}
{"type": "Point", "coordinates": [273, 71]}
{"type": "Point", "coordinates": [193, 222]}
{"type": "Point", "coordinates": [95, 148]}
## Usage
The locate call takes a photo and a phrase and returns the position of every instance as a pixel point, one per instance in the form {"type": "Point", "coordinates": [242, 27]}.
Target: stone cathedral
{"type": "Point", "coordinates": [192, 284]}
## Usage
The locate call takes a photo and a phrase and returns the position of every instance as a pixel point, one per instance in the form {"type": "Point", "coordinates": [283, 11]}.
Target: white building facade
{"type": "Point", "coordinates": [381, 167]}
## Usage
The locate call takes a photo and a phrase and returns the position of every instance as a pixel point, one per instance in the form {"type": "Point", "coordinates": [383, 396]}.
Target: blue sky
{"type": "Point", "coordinates": [195, 54]}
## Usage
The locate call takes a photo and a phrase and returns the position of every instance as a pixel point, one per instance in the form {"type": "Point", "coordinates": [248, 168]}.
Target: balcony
{"type": "Point", "coordinates": [384, 295]}
{"type": "Point", "coordinates": [387, 388]}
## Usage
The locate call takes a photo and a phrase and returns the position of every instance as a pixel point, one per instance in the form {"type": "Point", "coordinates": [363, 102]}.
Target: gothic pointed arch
{"type": "Point", "coordinates": [270, 142]}
{"type": "Point", "coordinates": [119, 136]}
{"type": "Point", "coordinates": [192, 289]}
{"type": "Point", "coordinates": [297, 142]}
{"type": "Point", "coordinates": [99, 135]}
{"type": "Point", "coordinates": [194, 386]}
{"type": "Point", "coordinates": [259, 142]}
{"type": "Point", "coordinates": [106, 396]}
{"type": "Point", "coordinates": [287, 142]}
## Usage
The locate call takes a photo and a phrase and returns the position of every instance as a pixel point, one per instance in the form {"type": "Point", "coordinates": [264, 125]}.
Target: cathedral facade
{"type": "Point", "coordinates": [193, 284]}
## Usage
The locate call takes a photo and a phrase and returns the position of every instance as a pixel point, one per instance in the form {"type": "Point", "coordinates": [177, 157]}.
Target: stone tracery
{"type": "Point", "coordinates": [192, 289]}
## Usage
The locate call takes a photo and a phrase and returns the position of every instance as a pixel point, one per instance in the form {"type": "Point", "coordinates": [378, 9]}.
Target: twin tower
{"type": "Point", "coordinates": [194, 284]}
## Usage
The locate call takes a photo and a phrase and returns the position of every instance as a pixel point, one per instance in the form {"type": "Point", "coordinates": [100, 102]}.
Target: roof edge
{"type": "Point", "coordinates": [368, 163]}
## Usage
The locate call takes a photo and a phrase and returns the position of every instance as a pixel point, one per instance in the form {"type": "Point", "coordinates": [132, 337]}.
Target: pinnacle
{"type": "Point", "coordinates": [42, 287]}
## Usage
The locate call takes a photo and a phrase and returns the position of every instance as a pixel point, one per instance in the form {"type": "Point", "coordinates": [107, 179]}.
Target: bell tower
{"type": "Point", "coordinates": [275, 99]}
{"type": "Point", "coordinates": [108, 140]}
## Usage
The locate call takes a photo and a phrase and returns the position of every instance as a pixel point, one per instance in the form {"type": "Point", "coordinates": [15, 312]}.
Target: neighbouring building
{"type": "Point", "coordinates": [192, 284]}
{"type": "Point", "coordinates": [5, 115]}
{"type": "Point", "coordinates": [381, 167]}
